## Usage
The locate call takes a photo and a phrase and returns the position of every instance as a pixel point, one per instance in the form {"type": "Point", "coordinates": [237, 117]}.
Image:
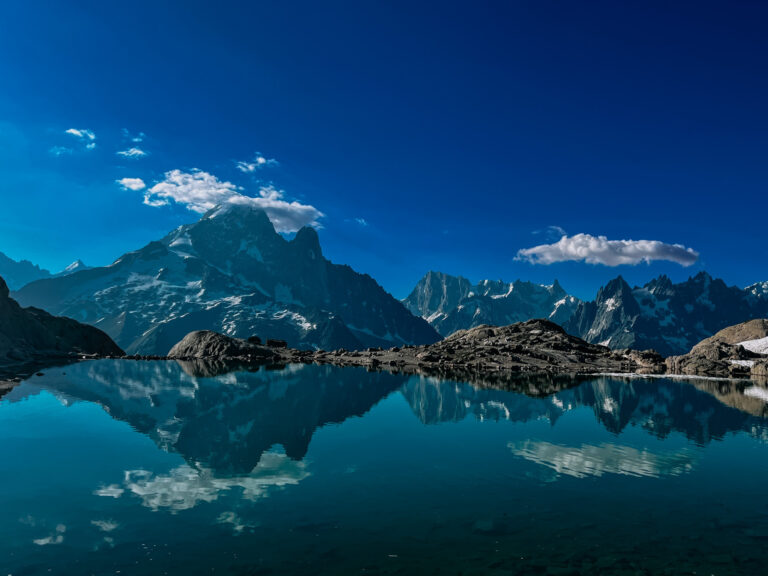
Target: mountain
{"type": "Point", "coordinates": [670, 318]}
{"type": "Point", "coordinates": [76, 266]}
{"type": "Point", "coordinates": [231, 272]}
{"type": "Point", "coordinates": [453, 303]}
{"type": "Point", "coordinates": [29, 334]}
{"type": "Point", "coordinates": [17, 274]}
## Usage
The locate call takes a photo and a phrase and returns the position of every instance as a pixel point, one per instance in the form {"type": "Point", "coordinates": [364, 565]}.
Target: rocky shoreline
{"type": "Point", "coordinates": [532, 356]}
{"type": "Point", "coordinates": [480, 355]}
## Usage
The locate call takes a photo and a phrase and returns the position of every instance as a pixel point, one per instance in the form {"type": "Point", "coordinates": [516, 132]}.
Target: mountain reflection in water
{"type": "Point", "coordinates": [189, 468]}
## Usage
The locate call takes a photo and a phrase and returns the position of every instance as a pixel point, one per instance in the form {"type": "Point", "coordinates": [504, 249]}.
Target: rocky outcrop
{"type": "Point", "coordinates": [724, 354]}
{"type": "Point", "coordinates": [231, 272]}
{"type": "Point", "coordinates": [30, 335]}
{"type": "Point", "coordinates": [451, 303]}
{"type": "Point", "coordinates": [485, 355]}
{"type": "Point", "coordinates": [744, 332]}
{"type": "Point", "coordinates": [204, 344]}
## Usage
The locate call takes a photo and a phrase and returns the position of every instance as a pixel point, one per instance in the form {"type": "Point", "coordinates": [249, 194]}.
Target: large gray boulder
{"type": "Point", "coordinates": [208, 345]}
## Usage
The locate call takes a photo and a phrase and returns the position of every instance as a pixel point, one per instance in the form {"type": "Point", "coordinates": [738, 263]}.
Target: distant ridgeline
{"type": "Point", "coordinates": [231, 272]}
{"type": "Point", "coordinates": [17, 274]}
{"type": "Point", "coordinates": [670, 318]}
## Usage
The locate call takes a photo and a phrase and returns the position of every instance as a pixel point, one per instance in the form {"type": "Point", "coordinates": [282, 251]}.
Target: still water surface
{"type": "Point", "coordinates": [146, 468]}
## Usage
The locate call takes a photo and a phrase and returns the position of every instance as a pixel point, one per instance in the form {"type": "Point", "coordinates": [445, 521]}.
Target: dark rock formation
{"type": "Point", "coordinates": [29, 335]}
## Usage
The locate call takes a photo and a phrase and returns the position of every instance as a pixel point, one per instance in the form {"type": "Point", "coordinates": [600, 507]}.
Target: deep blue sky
{"type": "Point", "coordinates": [455, 130]}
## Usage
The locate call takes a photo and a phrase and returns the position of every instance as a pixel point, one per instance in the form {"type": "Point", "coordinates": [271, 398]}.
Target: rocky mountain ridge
{"type": "Point", "coordinates": [20, 273]}
{"type": "Point", "coordinates": [451, 303]}
{"type": "Point", "coordinates": [233, 273]}
{"type": "Point", "coordinates": [670, 318]}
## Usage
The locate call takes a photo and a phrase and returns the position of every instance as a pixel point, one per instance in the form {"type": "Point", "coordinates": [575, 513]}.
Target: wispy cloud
{"type": "Point", "coordinates": [200, 191]}
{"type": "Point", "coordinates": [551, 232]}
{"type": "Point", "coordinates": [132, 183]}
{"type": "Point", "coordinates": [85, 136]}
{"type": "Point", "coordinates": [60, 150]}
{"type": "Point", "coordinates": [81, 133]}
{"type": "Point", "coordinates": [359, 221]}
{"type": "Point", "coordinates": [259, 161]}
{"type": "Point", "coordinates": [133, 153]}
{"type": "Point", "coordinates": [600, 250]}
{"type": "Point", "coordinates": [135, 138]}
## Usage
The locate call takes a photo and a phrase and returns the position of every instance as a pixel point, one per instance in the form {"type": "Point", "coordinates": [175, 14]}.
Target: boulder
{"type": "Point", "coordinates": [206, 344]}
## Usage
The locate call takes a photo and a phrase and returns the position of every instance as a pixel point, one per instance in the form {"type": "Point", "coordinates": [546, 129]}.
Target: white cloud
{"type": "Point", "coordinates": [131, 183]}
{"type": "Point", "coordinates": [200, 191]}
{"type": "Point", "coordinates": [259, 161]}
{"type": "Point", "coordinates": [87, 137]}
{"type": "Point", "coordinates": [133, 153]}
{"type": "Point", "coordinates": [81, 133]}
{"type": "Point", "coordinates": [600, 250]}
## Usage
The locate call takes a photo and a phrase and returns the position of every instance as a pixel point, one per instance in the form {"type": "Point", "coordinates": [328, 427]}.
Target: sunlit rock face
{"type": "Point", "coordinates": [231, 272]}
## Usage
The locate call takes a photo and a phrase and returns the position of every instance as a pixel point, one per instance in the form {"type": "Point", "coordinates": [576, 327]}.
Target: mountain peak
{"type": "Point", "coordinates": [76, 266]}
{"type": "Point", "coordinates": [615, 287]}
{"type": "Point", "coordinates": [308, 241]}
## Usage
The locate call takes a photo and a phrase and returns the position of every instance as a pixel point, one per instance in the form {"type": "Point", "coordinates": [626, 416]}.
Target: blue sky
{"type": "Point", "coordinates": [443, 136]}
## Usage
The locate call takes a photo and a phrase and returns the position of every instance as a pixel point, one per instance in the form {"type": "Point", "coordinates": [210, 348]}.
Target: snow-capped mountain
{"type": "Point", "coordinates": [759, 290]}
{"type": "Point", "coordinates": [670, 318]}
{"type": "Point", "coordinates": [76, 266]}
{"type": "Point", "coordinates": [453, 303]}
{"type": "Point", "coordinates": [232, 273]}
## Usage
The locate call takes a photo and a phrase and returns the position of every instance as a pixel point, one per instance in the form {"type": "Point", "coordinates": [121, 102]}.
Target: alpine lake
{"type": "Point", "coordinates": [163, 467]}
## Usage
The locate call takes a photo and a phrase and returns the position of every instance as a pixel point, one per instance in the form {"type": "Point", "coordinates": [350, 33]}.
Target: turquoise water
{"type": "Point", "coordinates": [111, 467]}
